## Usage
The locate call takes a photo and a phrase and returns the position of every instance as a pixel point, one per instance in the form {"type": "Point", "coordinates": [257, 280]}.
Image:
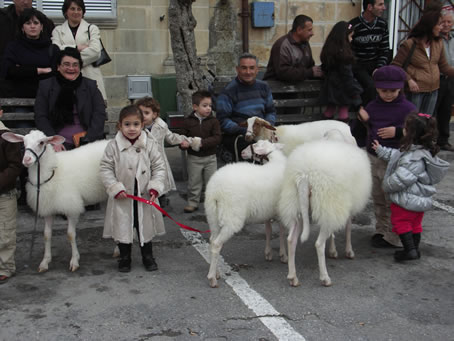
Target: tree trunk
{"type": "Point", "coordinates": [188, 74]}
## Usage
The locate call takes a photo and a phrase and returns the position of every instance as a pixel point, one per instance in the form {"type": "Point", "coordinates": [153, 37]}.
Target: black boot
{"type": "Point", "coordinates": [416, 240]}
{"type": "Point", "coordinates": [409, 252]}
{"type": "Point", "coordinates": [124, 263]}
{"type": "Point", "coordinates": [147, 257]}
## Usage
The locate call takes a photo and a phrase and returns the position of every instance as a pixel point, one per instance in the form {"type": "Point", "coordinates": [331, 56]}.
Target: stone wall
{"type": "Point", "coordinates": [140, 43]}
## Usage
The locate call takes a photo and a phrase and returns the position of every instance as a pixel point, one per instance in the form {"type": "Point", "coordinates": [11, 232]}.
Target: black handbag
{"type": "Point", "coordinates": [104, 57]}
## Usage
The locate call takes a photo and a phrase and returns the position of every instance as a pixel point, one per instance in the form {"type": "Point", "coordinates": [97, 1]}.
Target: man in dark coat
{"type": "Point", "coordinates": [9, 23]}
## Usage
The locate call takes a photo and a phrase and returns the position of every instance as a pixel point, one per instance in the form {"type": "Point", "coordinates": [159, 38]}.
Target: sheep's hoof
{"type": "Point", "coordinates": [213, 283]}
{"type": "Point", "coordinates": [294, 282]}
{"type": "Point", "coordinates": [333, 254]}
{"type": "Point", "coordinates": [73, 266]}
{"type": "Point", "coordinates": [326, 282]}
{"type": "Point", "coordinates": [350, 254]}
{"type": "Point", "coordinates": [269, 256]}
{"type": "Point", "coordinates": [42, 269]}
{"type": "Point", "coordinates": [284, 259]}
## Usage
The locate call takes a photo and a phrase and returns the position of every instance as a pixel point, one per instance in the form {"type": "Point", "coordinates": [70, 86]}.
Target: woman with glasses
{"type": "Point", "coordinates": [69, 104]}
{"type": "Point", "coordinates": [76, 32]}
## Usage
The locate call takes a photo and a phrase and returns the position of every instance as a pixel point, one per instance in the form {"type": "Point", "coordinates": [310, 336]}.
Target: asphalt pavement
{"type": "Point", "coordinates": [372, 297]}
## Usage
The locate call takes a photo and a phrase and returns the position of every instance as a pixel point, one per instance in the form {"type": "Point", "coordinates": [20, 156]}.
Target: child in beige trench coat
{"type": "Point", "coordinates": [132, 164]}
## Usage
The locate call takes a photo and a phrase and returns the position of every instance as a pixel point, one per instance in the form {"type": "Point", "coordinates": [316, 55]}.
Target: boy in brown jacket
{"type": "Point", "coordinates": [201, 156]}
{"type": "Point", "coordinates": [10, 168]}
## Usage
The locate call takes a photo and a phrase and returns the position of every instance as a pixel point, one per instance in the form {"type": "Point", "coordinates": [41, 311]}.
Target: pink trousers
{"type": "Point", "coordinates": [404, 221]}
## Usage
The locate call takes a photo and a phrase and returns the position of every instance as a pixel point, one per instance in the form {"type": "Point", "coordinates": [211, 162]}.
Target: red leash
{"type": "Point", "coordinates": [148, 202]}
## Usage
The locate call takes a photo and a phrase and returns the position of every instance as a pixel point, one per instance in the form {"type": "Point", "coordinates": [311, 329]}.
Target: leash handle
{"type": "Point", "coordinates": [148, 202]}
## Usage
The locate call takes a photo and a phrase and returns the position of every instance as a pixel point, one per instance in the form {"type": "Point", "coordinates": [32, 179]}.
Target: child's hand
{"type": "Point", "coordinates": [413, 86]}
{"type": "Point", "coordinates": [121, 195]}
{"type": "Point", "coordinates": [375, 145]}
{"type": "Point", "coordinates": [363, 114]}
{"type": "Point", "coordinates": [184, 144]}
{"type": "Point", "coordinates": [387, 133]}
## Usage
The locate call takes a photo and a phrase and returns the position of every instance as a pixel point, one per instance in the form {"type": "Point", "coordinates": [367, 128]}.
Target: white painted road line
{"type": "Point", "coordinates": [269, 316]}
{"type": "Point", "coordinates": [444, 207]}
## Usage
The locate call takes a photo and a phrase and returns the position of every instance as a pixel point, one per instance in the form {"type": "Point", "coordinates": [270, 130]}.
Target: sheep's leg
{"type": "Point", "coordinates": [44, 266]}
{"type": "Point", "coordinates": [320, 245]}
{"type": "Point", "coordinates": [116, 252]}
{"type": "Point", "coordinates": [332, 252]}
{"type": "Point", "coordinates": [74, 263]}
{"type": "Point", "coordinates": [268, 232]}
{"type": "Point", "coordinates": [292, 241]}
{"type": "Point", "coordinates": [349, 253]}
{"type": "Point", "coordinates": [282, 249]}
{"type": "Point", "coordinates": [216, 244]}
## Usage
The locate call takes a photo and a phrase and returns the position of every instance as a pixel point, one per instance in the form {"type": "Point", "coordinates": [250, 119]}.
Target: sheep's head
{"type": "Point", "coordinates": [261, 148]}
{"type": "Point", "coordinates": [35, 144]}
{"type": "Point", "coordinates": [258, 128]}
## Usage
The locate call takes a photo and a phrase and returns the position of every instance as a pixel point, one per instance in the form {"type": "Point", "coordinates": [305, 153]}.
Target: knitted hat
{"type": "Point", "coordinates": [389, 77]}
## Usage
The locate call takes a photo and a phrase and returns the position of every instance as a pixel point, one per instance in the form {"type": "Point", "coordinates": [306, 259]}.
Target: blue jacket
{"type": "Point", "coordinates": [239, 101]}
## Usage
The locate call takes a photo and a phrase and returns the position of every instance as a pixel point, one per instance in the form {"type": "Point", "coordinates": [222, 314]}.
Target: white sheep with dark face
{"type": "Point", "coordinates": [69, 180]}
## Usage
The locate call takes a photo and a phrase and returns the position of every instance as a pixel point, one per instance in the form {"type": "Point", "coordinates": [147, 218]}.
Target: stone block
{"type": "Point", "coordinates": [141, 41]}
{"type": "Point", "coordinates": [201, 40]}
{"type": "Point", "coordinates": [316, 53]}
{"type": "Point", "coordinates": [201, 14]}
{"type": "Point", "coordinates": [319, 34]}
{"type": "Point", "coordinates": [121, 3]}
{"type": "Point", "coordinates": [262, 53]}
{"type": "Point", "coordinates": [139, 63]}
{"type": "Point", "coordinates": [116, 88]}
{"type": "Point", "coordinates": [258, 34]}
{"type": "Point", "coordinates": [345, 11]}
{"type": "Point", "coordinates": [131, 18]}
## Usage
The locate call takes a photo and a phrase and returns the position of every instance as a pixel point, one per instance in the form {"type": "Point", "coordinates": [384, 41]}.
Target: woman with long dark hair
{"type": "Point", "coordinates": [340, 89]}
{"type": "Point", "coordinates": [422, 56]}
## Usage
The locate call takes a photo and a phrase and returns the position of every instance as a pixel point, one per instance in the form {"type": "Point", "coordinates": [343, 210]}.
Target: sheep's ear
{"type": "Point", "coordinates": [14, 138]}
{"type": "Point", "coordinates": [267, 125]}
{"type": "Point", "coordinates": [243, 124]}
{"type": "Point", "coordinates": [56, 139]}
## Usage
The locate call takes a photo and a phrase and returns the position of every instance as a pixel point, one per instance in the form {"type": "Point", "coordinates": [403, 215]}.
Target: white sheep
{"type": "Point", "coordinates": [242, 193]}
{"type": "Point", "coordinates": [293, 135]}
{"type": "Point", "coordinates": [329, 179]}
{"type": "Point", "coordinates": [69, 181]}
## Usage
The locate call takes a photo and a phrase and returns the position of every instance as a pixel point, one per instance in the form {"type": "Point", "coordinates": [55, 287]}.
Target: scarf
{"type": "Point", "coordinates": [63, 111]}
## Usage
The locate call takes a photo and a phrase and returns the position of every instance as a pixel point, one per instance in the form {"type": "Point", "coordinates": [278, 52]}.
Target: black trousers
{"type": "Point", "coordinates": [443, 108]}
{"type": "Point", "coordinates": [363, 73]}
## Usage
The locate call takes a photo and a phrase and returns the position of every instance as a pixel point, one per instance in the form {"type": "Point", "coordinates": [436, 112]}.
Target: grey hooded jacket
{"type": "Point", "coordinates": [411, 175]}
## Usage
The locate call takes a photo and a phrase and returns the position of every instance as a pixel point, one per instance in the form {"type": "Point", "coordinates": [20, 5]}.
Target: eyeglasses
{"type": "Point", "coordinates": [68, 65]}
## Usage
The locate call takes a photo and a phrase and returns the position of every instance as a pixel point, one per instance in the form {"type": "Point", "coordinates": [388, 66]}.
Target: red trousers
{"type": "Point", "coordinates": [404, 221]}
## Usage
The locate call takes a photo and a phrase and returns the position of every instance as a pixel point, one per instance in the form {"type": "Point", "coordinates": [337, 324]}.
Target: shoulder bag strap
{"type": "Point", "coordinates": [410, 54]}
{"type": "Point", "coordinates": [89, 32]}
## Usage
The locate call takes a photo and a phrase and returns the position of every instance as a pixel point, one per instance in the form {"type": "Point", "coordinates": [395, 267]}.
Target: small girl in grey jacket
{"type": "Point", "coordinates": [409, 180]}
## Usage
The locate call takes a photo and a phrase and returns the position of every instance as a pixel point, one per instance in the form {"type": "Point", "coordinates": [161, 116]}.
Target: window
{"type": "Point", "coordinates": [97, 11]}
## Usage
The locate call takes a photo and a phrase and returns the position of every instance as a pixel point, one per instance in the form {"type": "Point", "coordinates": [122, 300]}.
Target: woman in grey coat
{"type": "Point", "coordinates": [409, 180]}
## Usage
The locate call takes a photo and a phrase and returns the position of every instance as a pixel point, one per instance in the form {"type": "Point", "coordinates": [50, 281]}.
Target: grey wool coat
{"type": "Point", "coordinates": [121, 164]}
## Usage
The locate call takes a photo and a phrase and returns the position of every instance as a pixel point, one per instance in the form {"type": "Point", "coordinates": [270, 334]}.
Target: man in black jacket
{"type": "Point", "coordinates": [9, 23]}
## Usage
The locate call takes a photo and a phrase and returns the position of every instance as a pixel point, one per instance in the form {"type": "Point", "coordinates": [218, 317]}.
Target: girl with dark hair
{"type": "Point", "coordinates": [409, 180]}
{"type": "Point", "coordinates": [340, 89]}
{"type": "Point", "coordinates": [78, 33]}
{"type": "Point", "coordinates": [422, 56]}
{"type": "Point", "coordinates": [132, 164]}
{"type": "Point", "coordinates": [28, 59]}
{"type": "Point", "coordinates": [69, 104]}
